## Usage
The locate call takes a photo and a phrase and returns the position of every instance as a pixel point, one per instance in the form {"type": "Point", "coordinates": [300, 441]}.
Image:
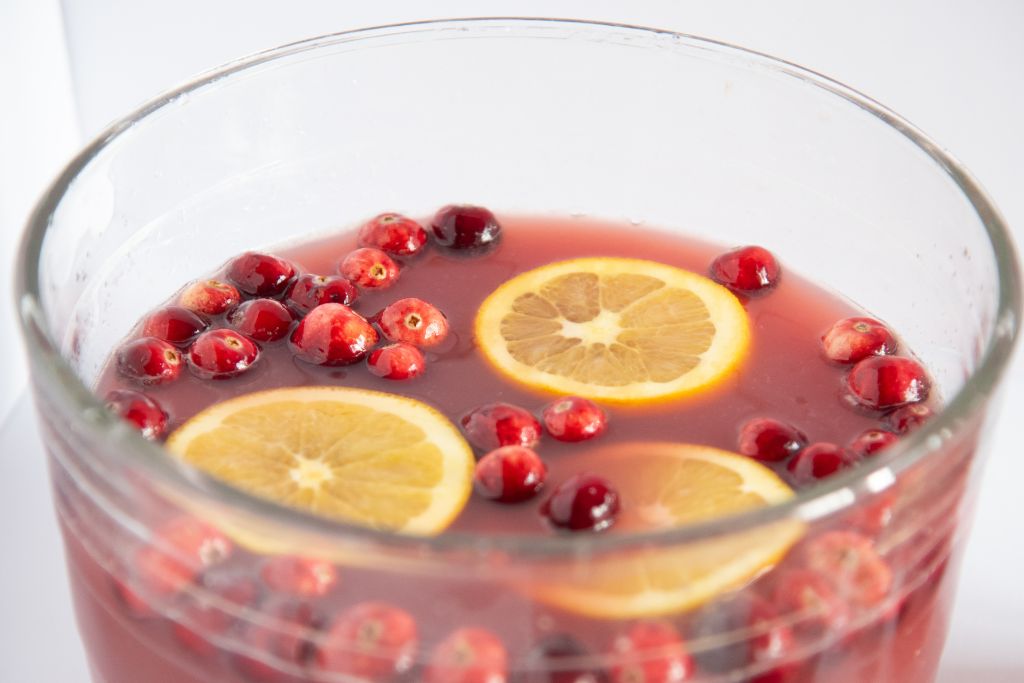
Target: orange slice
{"type": "Point", "coordinates": [614, 329]}
{"type": "Point", "coordinates": [663, 486]}
{"type": "Point", "coordinates": [365, 457]}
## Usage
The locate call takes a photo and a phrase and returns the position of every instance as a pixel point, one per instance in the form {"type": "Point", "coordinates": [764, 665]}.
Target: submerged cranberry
{"type": "Point", "coordinates": [369, 268]}
{"type": "Point", "coordinates": [819, 461]}
{"type": "Point", "coordinates": [301, 577]}
{"type": "Point", "coordinates": [746, 269]}
{"type": "Point", "coordinates": [770, 440]}
{"type": "Point", "coordinates": [309, 291]}
{"type": "Point", "coordinates": [413, 321]}
{"type": "Point", "coordinates": [264, 320]}
{"type": "Point", "coordinates": [908, 418]}
{"type": "Point", "coordinates": [882, 382]}
{"type": "Point", "coordinates": [501, 424]}
{"type": "Point", "coordinates": [333, 334]}
{"type": "Point", "coordinates": [851, 563]}
{"type": "Point", "coordinates": [872, 441]}
{"type": "Point", "coordinates": [222, 354]}
{"type": "Point", "coordinates": [574, 419]}
{"type": "Point", "coordinates": [174, 324]}
{"type": "Point", "coordinates": [468, 655]}
{"type": "Point", "coordinates": [371, 641]}
{"type": "Point", "coordinates": [809, 602]}
{"type": "Point", "coordinates": [462, 227]}
{"type": "Point", "coordinates": [397, 361]}
{"type": "Point", "coordinates": [510, 474]}
{"type": "Point", "coordinates": [752, 636]}
{"type": "Point", "coordinates": [854, 339]}
{"type": "Point", "coordinates": [140, 411]}
{"type": "Point", "coordinates": [394, 234]}
{"type": "Point", "coordinates": [559, 658]}
{"type": "Point", "coordinates": [650, 651]}
{"type": "Point", "coordinates": [261, 275]}
{"type": "Point", "coordinates": [149, 360]}
{"type": "Point", "coordinates": [210, 297]}
{"type": "Point", "coordinates": [282, 640]}
{"type": "Point", "coordinates": [583, 502]}
{"type": "Point", "coordinates": [213, 610]}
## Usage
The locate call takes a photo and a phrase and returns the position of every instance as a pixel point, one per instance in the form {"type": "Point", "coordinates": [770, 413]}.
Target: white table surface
{"type": "Point", "coordinates": [954, 68]}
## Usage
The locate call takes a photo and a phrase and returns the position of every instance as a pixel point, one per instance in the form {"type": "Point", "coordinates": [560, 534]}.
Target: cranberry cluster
{"type": "Point", "coordinates": [219, 326]}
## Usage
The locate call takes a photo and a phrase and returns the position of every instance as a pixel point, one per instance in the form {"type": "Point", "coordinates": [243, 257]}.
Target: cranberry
{"type": "Point", "coordinates": [574, 419]}
{"type": "Point", "coordinates": [650, 651]}
{"type": "Point", "coordinates": [397, 361]}
{"type": "Point", "coordinates": [282, 639]}
{"type": "Point", "coordinates": [210, 297]}
{"type": "Point", "coordinates": [852, 564]}
{"type": "Point", "coordinates": [369, 268]}
{"type": "Point", "coordinates": [854, 339]}
{"type": "Point", "coordinates": [468, 655]}
{"type": "Point", "coordinates": [413, 321]}
{"type": "Point", "coordinates": [501, 424]}
{"type": "Point", "coordinates": [819, 461]}
{"type": "Point", "coordinates": [770, 440]}
{"type": "Point", "coordinates": [301, 577]}
{"type": "Point", "coordinates": [871, 441]}
{"type": "Point", "coordinates": [583, 502]}
{"type": "Point", "coordinates": [466, 228]}
{"type": "Point", "coordinates": [222, 354]}
{"type": "Point", "coordinates": [747, 269]}
{"type": "Point", "coordinates": [140, 411]}
{"type": "Point", "coordinates": [258, 274]}
{"type": "Point", "coordinates": [394, 234]}
{"type": "Point", "coordinates": [765, 638]}
{"type": "Point", "coordinates": [309, 291]}
{"type": "Point", "coordinates": [874, 514]}
{"type": "Point", "coordinates": [558, 658]}
{"type": "Point", "coordinates": [262, 319]}
{"type": "Point", "coordinates": [883, 382]}
{"type": "Point", "coordinates": [908, 418]}
{"type": "Point", "coordinates": [149, 360]}
{"type": "Point", "coordinates": [373, 641]}
{"type": "Point", "coordinates": [509, 474]}
{"type": "Point", "coordinates": [174, 324]}
{"type": "Point", "coordinates": [333, 334]}
{"type": "Point", "coordinates": [213, 610]}
{"type": "Point", "coordinates": [810, 599]}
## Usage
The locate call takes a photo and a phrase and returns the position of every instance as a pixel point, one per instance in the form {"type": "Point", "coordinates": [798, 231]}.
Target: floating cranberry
{"type": "Point", "coordinates": [583, 502]}
{"type": "Point", "coordinates": [810, 600]}
{"type": "Point", "coordinates": [852, 564]}
{"type": "Point", "coordinates": [510, 474]}
{"type": "Point", "coordinates": [468, 655]}
{"type": "Point", "coordinates": [140, 411]}
{"type": "Point", "coordinates": [854, 339]}
{"type": "Point", "coordinates": [908, 418]}
{"type": "Point", "coordinates": [260, 275]}
{"type": "Point", "coordinates": [213, 610]}
{"type": "Point", "coordinates": [819, 461]}
{"type": "Point", "coordinates": [309, 291]}
{"type": "Point", "coordinates": [746, 269]}
{"type": "Point", "coordinates": [397, 361]}
{"type": "Point", "coordinates": [369, 268]}
{"type": "Point", "coordinates": [413, 321]}
{"type": "Point", "coordinates": [221, 354]}
{"type": "Point", "coordinates": [770, 440]}
{"type": "Point", "coordinates": [559, 658]}
{"type": "Point", "coordinates": [283, 639]}
{"type": "Point", "coordinates": [333, 334]}
{"type": "Point", "coordinates": [210, 297]}
{"type": "Point", "coordinates": [394, 234]}
{"type": "Point", "coordinates": [264, 320]}
{"type": "Point", "coordinates": [501, 424]}
{"type": "Point", "coordinates": [301, 577]}
{"type": "Point", "coordinates": [883, 382]}
{"type": "Point", "coordinates": [466, 228]}
{"type": "Point", "coordinates": [175, 324]}
{"type": "Point", "coordinates": [372, 641]}
{"type": "Point", "coordinates": [574, 419]}
{"type": "Point", "coordinates": [650, 651]}
{"type": "Point", "coordinates": [871, 441]}
{"type": "Point", "coordinates": [149, 360]}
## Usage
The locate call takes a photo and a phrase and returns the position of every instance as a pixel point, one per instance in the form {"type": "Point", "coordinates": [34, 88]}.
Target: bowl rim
{"type": "Point", "coordinates": [52, 373]}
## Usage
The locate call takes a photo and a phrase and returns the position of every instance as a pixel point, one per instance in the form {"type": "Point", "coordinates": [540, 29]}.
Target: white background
{"type": "Point", "coordinates": [956, 69]}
